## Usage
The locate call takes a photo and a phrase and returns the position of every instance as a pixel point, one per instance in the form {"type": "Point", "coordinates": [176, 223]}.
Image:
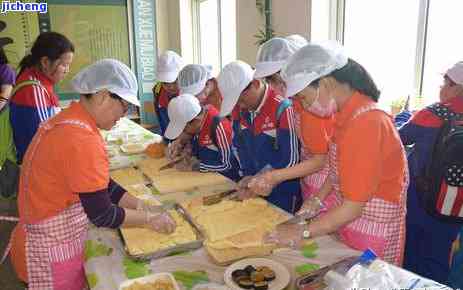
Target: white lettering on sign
{"type": "Point", "coordinates": [146, 39]}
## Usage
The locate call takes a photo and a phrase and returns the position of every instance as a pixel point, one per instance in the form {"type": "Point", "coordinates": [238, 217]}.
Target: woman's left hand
{"type": "Point", "coordinates": [286, 235]}
{"type": "Point", "coordinates": [263, 184]}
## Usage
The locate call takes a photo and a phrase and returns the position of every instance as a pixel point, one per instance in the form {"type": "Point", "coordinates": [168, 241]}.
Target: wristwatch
{"type": "Point", "coordinates": [306, 234]}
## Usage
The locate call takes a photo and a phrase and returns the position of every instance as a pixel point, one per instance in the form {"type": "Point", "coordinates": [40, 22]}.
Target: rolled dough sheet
{"type": "Point", "coordinates": [127, 176]}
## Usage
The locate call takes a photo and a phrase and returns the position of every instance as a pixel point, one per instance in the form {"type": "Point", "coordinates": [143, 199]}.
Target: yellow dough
{"type": "Point", "coordinates": [127, 177]}
{"type": "Point", "coordinates": [230, 218]}
{"type": "Point", "coordinates": [171, 180]}
{"type": "Point", "coordinates": [138, 190]}
{"type": "Point", "coordinates": [160, 284]}
{"type": "Point", "coordinates": [146, 241]}
{"type": "Point", "coordinates": [247, 239]}
{"type": "Point", "coordinates": [234, 229]}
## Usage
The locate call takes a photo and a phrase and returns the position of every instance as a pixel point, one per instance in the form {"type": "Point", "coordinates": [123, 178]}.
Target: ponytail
{"type": "Point", "coordinates": [27, 61]}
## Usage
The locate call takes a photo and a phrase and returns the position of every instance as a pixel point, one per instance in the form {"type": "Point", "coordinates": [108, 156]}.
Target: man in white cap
{"type": "Point", "coordinates": [271, 57]}
{"type": "Point", "coordinates": [65, 182]}
{"type": "Point", "coordinates": [264, 134]}
{"type": "Point", "coordinates": [209, 136]}
{"type": "Point", "coordinates": [167, 70]}
{"type": "Point", "coordinates": [423, 230]}
{"type": "Point", "coordinates": [197, 80]}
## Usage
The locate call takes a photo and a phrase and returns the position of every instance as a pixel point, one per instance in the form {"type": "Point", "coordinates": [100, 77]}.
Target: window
{"type": "Point", "coordinates": [405, 45]}
{"type": "Point", "coordinates": [385, 46]}
{"type": "Point", "coordinates": [444, 44]}
{"type": "Point", "coordinates": [215, 18]}
{"type": "Point", "coordinates": [320, 20]}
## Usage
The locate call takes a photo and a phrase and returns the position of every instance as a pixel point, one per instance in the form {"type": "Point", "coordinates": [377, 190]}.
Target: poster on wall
{"type": "Point", "coordinates": [23, 29]}
{"type": "Point", "coordinates": [98, 29]}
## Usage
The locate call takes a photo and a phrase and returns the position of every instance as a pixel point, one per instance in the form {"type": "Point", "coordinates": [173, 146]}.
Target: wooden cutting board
{"type": "Point", "coordinates": [172, 180]}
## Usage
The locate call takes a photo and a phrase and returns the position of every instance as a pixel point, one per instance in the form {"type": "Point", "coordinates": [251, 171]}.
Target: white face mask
{"type": "Point", "coordinates": [318, 109]}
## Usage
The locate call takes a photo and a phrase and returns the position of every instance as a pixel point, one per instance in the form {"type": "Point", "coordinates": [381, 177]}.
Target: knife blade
{"type": "Point", "coordinates": [216, 198]}
{"type": "Point", "coordinates": [148, 182]}
{"type": "Point", "coordinates": [170, 164]}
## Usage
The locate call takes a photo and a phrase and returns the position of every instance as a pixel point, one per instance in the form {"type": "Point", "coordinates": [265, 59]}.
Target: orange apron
{"type": "Point", "coordinates": [55, 246]}
{"type": "Point", "coordinates": [381, 226]}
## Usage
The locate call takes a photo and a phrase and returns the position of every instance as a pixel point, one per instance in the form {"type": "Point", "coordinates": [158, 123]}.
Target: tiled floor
{"type": "Point", "coordinates": [8, 280]}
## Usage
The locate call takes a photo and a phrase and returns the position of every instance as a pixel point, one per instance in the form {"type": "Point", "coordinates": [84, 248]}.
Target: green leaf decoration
{"type": "Point", "coordinates": [306, 268]}
{"type": "Point", "coordinates": [190, 279]}
{"type": "Point", "coordinates": [93, 249]}
{"type": "Point", "coordinates": [310, 250]}
{"type": "Point", "coordinates": [135, 269]}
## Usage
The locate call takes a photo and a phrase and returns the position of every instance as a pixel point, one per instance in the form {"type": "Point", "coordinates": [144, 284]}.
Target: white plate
{"type": "Point", "coordinates": [149, 278]}
{"type": "Point", "coordinates": [282, 276]}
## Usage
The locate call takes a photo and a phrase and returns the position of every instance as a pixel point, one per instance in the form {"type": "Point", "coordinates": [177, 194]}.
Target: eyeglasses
{"type": "Point", "coordinates": [125, 105]}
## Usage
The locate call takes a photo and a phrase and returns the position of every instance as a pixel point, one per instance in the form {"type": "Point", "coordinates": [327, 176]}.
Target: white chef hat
{"type": "Point", "coordinates": [109, 74]}
{"type": "Point", "coordinates": [271, 56]}
{"type": "Point", "coordinates": [168, 66]}
{"type": "Point", "coordinates": [193, 77]}
{"type": "Point", "coordinates": [310, 63]}
{"type": "Point", "coordinates": [232, 80]}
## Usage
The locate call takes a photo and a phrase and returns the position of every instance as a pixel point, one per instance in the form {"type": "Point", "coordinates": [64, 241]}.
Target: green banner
{"type": "Point", "coordinates": [144, 12]}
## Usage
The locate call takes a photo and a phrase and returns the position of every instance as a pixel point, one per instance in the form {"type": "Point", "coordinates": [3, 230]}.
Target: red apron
{"type": "Point", "coordinates": [381, 226]}
{"type": "Point", "coordinates": [55, 246]}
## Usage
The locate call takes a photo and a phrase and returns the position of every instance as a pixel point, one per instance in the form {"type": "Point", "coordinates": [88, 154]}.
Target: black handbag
{"type": "Point", "coordinates": [9, 179]}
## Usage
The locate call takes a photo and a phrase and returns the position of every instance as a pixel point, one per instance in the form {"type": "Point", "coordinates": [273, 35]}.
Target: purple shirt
{"type": "Point", "coordinates": [7, 75]}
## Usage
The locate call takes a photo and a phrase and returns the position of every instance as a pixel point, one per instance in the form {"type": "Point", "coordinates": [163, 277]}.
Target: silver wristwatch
{"type": "Point", "coordinates": [306, 234]}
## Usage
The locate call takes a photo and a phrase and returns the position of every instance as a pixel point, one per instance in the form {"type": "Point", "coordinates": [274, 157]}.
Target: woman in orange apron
{"type": "Point", "coordinates": [364, 198]}
{"type": "Point", "coordinates": [65, 183]}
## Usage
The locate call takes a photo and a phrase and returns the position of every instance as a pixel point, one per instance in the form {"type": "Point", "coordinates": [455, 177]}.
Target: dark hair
{"type": "Point", "coordinates": [273, 77]}
{"type": "Point", "coordinates": [357, 78]}
{"type": "Point", "coordinates": [49, 44]}
{"type": "Point", "coordinates": [3, 58]}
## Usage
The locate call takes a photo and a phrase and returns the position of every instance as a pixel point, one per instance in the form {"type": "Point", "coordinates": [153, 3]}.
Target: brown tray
{"type": "Point", "coordinates": [170, 250]}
